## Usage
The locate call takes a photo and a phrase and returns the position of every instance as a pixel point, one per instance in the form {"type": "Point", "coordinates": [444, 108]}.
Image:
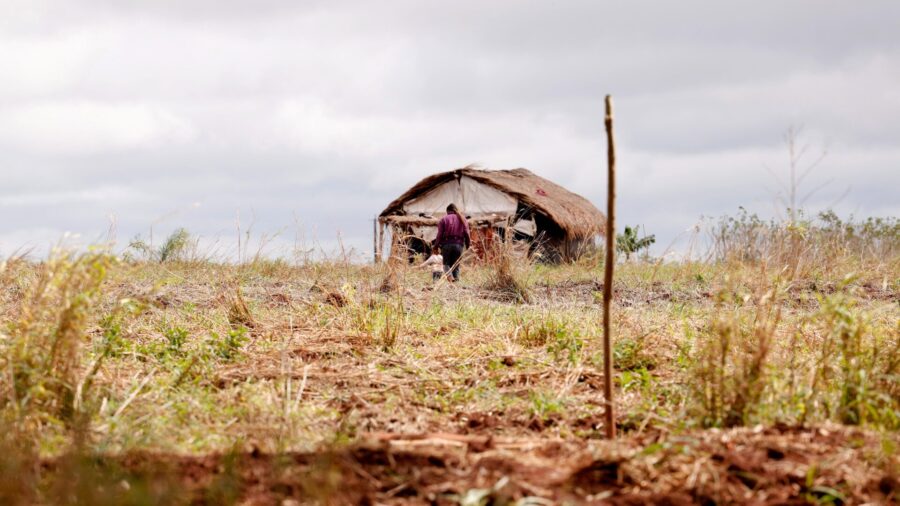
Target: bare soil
{"type": "Point", "coordinates": [778, 465]}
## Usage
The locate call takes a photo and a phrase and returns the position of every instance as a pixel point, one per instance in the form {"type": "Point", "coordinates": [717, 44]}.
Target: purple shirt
{"type": "Point", "coordinates": [452, 230]}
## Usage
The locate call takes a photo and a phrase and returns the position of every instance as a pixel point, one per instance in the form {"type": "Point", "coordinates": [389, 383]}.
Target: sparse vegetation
{"type": "Point", "coordinates": [103, 360]}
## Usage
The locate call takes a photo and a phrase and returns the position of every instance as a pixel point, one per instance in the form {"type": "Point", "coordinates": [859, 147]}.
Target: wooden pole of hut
{"type": "Point", "coordinates": [382, 228]}
{"type": "Point", "coordinates": [610, 415]}
{"type": "Point", "coordinates": [375, 240]}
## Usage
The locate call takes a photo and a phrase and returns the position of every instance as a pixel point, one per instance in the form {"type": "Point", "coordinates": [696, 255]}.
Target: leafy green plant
{"type": "Point", "coordinates": [544, 405]}
{"type": "Point", "coordinates": [629, 354]}
{"type": "Point", "coordinates": [630, 243]}
{"type": "Point", "coordinates": [175, 339]}
{"type": "Point", "coordinates": [229, 346]}
{"type": "Point", "coordinates": [637, 380]}
{"type": "Point", "coordinates": [565, 345]}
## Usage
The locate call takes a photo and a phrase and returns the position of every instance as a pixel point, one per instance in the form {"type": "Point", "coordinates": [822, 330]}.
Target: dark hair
{"type": "Point", "coordinates": [452, 209]}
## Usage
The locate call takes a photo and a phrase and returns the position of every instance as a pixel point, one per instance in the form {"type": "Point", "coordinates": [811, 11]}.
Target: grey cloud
{"type": "Point", "coordinates": [327, 110]}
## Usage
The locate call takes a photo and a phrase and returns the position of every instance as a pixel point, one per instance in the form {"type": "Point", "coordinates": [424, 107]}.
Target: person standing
{"type": "Point", "coordinates": [452, 237]}
{"type": "Point", "coordinates": [436, 261]}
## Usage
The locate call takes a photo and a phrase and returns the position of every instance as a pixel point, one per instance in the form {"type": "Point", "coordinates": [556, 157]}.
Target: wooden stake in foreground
{"type": "Point", "coordinates": [610, 418]}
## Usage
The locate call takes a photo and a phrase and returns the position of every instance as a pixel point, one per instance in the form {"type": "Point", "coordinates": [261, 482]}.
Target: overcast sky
{"type": "Point", "coordinates": [309, 117]}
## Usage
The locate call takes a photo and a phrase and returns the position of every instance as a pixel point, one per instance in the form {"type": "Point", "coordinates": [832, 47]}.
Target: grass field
{"type": "Point", "coordinates": [768, 373]}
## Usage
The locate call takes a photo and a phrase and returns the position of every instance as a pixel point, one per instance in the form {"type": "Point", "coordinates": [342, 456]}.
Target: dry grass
{"type": "Point", "coordinates": [161, 357]}
{"type": "Point", "coordinates": [508, 270]}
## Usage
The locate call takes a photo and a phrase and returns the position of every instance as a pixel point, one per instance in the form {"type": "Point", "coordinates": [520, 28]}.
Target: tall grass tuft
{"type": "Point", "coordinates": [177, 246]}
{"type": "Point", "coordinates": [856, 373]}
{"type": "Point", "coordinates": [730, 373]}
{"type": "Point", "coordinates": [507, 272]}
{"type": "Point", "coordinates": [836, 363]}
{"type": "Point", "coordinates": [396, 269]}
{"type": "Point", "coordinates": [381, 320]}
{"type": "Point", "coordinates": [41, 355]}
{"type": "Point", "coordinates": [239, 314]}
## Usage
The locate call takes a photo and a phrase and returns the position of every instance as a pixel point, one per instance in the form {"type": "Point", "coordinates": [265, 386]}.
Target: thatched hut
{"type": "Point", "coordinates": [555, 222]}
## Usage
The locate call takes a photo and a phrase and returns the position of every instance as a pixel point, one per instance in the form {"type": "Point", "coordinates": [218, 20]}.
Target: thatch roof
{"type": "Point", "coordinates": [574, 214]}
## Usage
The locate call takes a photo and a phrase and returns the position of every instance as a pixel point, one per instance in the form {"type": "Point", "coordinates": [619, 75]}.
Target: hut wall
{"type": "Point", "coordinates": [483, 242]}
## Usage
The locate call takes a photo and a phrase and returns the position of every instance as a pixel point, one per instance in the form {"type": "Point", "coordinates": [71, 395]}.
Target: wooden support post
{"type": "Point", "coordinates": [381, 231]}
{"type": "Point", "coordinates": [610, 418]}
{"type": "Point", "coordinates": [375, 240]}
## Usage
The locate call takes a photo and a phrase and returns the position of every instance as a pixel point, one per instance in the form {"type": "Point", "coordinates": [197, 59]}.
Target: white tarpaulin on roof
{"type": "Point", "coordinates": [473, 198]}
